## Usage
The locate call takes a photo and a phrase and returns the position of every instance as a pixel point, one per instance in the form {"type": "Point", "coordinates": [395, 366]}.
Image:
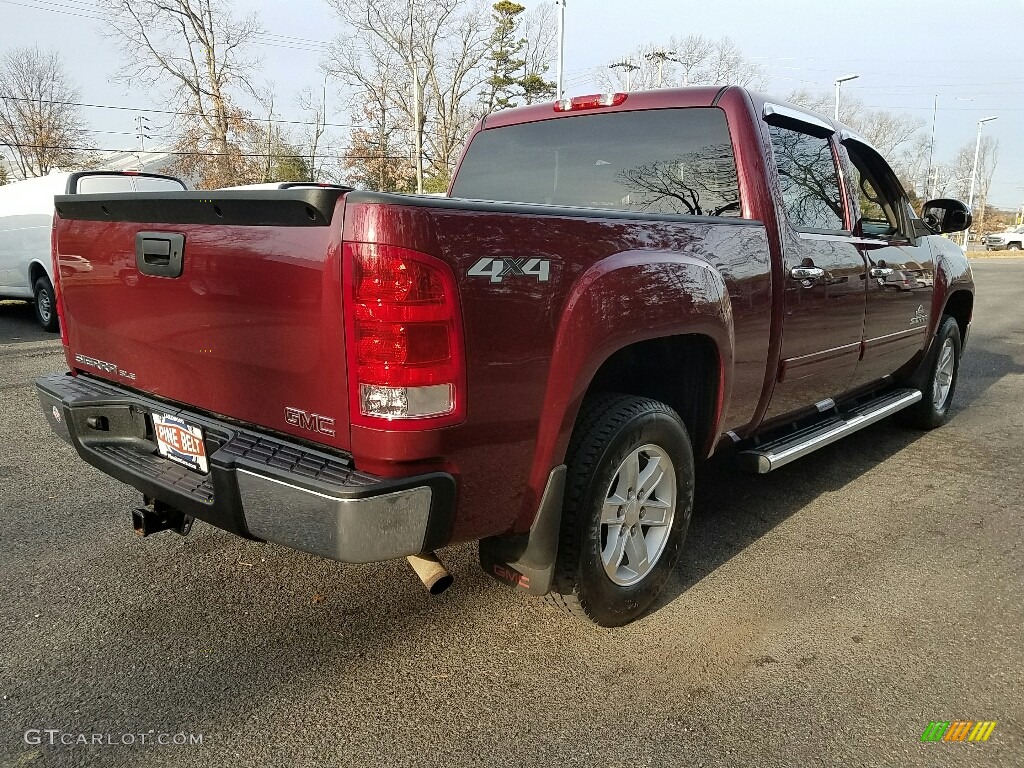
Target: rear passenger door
{"type": "Point", "coordinates": [823, 266]}
{"type": "Point", "coordinates": [900, 268]}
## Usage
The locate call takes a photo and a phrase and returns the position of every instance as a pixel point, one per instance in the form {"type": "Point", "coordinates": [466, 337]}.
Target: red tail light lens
{"type": "Point", "coordinates": [404, 338]}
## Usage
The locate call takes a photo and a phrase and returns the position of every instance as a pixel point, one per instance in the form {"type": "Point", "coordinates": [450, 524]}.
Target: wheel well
{"type": "Point", "coordinates": [681, 371]}
{"type": "Point", "coordinates": [960, 306]}
{"type": "Point", "coordinates": [35, 271]}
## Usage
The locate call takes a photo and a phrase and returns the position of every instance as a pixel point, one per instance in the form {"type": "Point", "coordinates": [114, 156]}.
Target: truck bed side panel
{"type": "Point", "coordinates": [511, 326]}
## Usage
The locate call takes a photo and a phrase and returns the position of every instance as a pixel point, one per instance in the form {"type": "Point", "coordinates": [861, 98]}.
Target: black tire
{"type": "Point", "coordinates": [611, 428]}
{"type": "Point", "coordinates": [45, 305]}
{"type": "Point", "coordinates": [1013, 246]}
{"type": "Point", "coordinates": [933, 409]}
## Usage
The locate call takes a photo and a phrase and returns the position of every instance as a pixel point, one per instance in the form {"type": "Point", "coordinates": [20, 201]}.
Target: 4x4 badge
{"type": "Point", "coordinates": [920, 316]}
{"type": "Point", "coordinates": [498, 269]}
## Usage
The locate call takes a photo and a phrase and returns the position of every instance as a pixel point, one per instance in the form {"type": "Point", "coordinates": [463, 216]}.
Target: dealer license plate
{"type": "Point", "coordinates": [181, 442]}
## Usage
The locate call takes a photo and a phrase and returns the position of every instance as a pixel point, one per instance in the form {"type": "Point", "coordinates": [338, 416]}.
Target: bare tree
{"type": "Point", "coordinates": [690, 53]}
{"type": "Point", "coordinates": [963, 165]}
{"type": "Point", "coordinates": [390, 46]}
{"type": "Point", "coordinates": [316, 107]}
{"type": "Point", "coordinates": [690, 60]}
{"type": "Point", "coordinates": [39, 124]}
{"type": "Point", "coordinates": [198, 50]}
{"type": "Point", "coordinates": [539, 29]}
{"type": "Point", "coordinates": [887, 131]}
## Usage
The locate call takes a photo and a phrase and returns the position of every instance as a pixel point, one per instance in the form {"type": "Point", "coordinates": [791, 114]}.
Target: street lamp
{"type": "Point", "coordinates": [839, 81]}
{"type": "Point", "coordinates": [974, 172]}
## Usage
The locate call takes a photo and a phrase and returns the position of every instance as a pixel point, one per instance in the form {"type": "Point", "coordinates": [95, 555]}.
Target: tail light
{"type": "Point", "coordinates": [404, 334]}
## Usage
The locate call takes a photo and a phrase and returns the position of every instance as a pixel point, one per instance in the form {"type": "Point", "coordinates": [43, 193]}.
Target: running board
{"type": "Point", "coordinates": [779, 452]}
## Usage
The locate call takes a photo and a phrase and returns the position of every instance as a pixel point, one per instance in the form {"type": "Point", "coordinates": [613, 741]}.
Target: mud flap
{"type": "Point", "coordinates": [527, 560]}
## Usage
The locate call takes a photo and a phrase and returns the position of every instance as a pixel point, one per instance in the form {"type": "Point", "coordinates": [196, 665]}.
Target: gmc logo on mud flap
{"type": "Point", "coordinates": [313, 422]}
{"type": "Point", "coordinates": [511, 576]}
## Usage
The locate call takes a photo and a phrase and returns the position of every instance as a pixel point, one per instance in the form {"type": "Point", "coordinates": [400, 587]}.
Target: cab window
{"type": "Point", "coordinates": [808, 180]}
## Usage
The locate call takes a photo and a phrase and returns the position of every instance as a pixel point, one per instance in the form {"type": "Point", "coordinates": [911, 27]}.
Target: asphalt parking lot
{"type": "Point", "coordinates": [822, 615]}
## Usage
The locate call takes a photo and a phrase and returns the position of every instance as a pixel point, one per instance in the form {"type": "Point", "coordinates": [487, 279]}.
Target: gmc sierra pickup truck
{"type": "Point", "coordinates": [616, 287]}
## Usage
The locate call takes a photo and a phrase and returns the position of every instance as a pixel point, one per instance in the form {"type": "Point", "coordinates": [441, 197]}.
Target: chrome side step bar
{"type": "Point", "coordinates": [779, 452]}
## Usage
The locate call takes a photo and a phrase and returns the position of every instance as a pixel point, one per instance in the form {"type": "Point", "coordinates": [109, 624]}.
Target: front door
{"type": "Point", "coordinates": [824, 271]}
{"type": "Point", "coordinates": [900, 268]}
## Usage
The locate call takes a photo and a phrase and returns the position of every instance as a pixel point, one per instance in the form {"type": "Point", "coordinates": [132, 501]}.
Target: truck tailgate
{"type": "Point", "coordinates": [250, 329]}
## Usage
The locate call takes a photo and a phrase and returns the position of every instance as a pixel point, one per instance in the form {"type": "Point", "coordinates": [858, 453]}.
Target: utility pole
{"type": "Point", "coordinates": [661, 56]}
{"type": "Point", "coordinates": [628, 67]}
{"type": "Point", "coordinates": [270, 129]}
{"type": "Point", "coordinates": [931, 151]}
{"type": "Point", "coordinates": [141, 131]}
{"type": "Point", "coordinates": [974, 172]}
{"type": "Point", "coordinates": [561, 49]}
{"type": "Point", "coordinates": [318, 130]}
{"type": "Point", "coordinates": [417, 123]}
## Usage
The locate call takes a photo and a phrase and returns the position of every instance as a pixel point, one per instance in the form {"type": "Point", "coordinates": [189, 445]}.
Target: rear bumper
{"type": "Point", "coordinates": [259, 486]}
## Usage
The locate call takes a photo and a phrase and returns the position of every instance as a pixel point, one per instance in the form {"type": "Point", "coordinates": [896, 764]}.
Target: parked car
{"type": "Point", "coordinates": [619, 286]}
{"type": "Point", "coordinates": [26, 223]}
{"type": "Point", "coordinates": [1012, 239]}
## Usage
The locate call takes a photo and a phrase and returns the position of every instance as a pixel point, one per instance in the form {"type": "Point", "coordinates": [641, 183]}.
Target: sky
{"type": "Point", "coordinates": [905, 52]}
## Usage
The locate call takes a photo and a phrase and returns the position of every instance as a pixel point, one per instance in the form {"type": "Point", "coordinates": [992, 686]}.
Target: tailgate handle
{"type": "Point", "coordinates": [160, 254]}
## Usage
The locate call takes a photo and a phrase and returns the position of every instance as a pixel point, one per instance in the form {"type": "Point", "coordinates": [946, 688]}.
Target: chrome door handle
{"type": "Point", "coordinates": [806, 273]}
{"type": "Point", "coordinates": [880, 271]}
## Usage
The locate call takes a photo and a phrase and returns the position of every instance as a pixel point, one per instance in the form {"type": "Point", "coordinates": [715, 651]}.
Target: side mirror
{"type": "Point", "coordinates": [945, 215]}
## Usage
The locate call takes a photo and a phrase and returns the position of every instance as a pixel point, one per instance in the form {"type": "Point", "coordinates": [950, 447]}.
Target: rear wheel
{"type": "Point", "coordinates": [944, 365]}
{"type": "Point", "coordinates": [45, 304]}
{"type": "Point", "coordinates": [628, 498]}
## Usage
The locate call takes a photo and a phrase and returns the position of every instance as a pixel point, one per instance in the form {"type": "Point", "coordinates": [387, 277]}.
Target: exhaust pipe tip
{"type": "Point", "coordinates": [431, 571]}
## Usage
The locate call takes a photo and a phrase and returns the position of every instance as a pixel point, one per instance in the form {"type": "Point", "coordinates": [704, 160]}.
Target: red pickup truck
{"type": "Point", "coordinates": [617, 286]}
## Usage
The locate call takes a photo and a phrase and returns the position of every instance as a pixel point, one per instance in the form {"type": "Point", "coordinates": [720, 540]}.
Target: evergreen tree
{"type": "Point", "coordinates": [506, 66]}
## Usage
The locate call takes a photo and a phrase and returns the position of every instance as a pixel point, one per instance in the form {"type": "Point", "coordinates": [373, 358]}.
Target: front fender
{"type": "Point", "coordinates": [952, 272]}
{"type": "Point", "coordinates": [627, 298]}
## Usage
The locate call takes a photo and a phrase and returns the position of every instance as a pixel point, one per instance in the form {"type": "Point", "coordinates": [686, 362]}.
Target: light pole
{"type": "Point", "coordinates": [840, 81]}
{"type": "Point", "coordinates": [561, 48]}
{"type": "Point", "coordinates": [974, 172]}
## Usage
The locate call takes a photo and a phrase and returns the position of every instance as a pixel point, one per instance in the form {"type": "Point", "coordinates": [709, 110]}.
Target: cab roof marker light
{"type": "Point", "coordinates": [591, 101]}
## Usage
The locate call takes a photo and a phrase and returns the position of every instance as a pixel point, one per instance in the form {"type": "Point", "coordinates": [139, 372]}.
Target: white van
{"type": "Point", "coordinates": [26, 218]}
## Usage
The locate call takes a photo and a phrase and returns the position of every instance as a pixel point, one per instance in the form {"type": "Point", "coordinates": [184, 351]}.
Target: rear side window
{"type": "Point", "coordinates": [103, 184]}
{"type": "Point", "coordinates": [151, 184]}
{"type": "Point", "coordinates": [673, 161]}
{"type": "Point", "coordinates": [92, 185]}
{"type": "Point", "coordinates": [808, 180]}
